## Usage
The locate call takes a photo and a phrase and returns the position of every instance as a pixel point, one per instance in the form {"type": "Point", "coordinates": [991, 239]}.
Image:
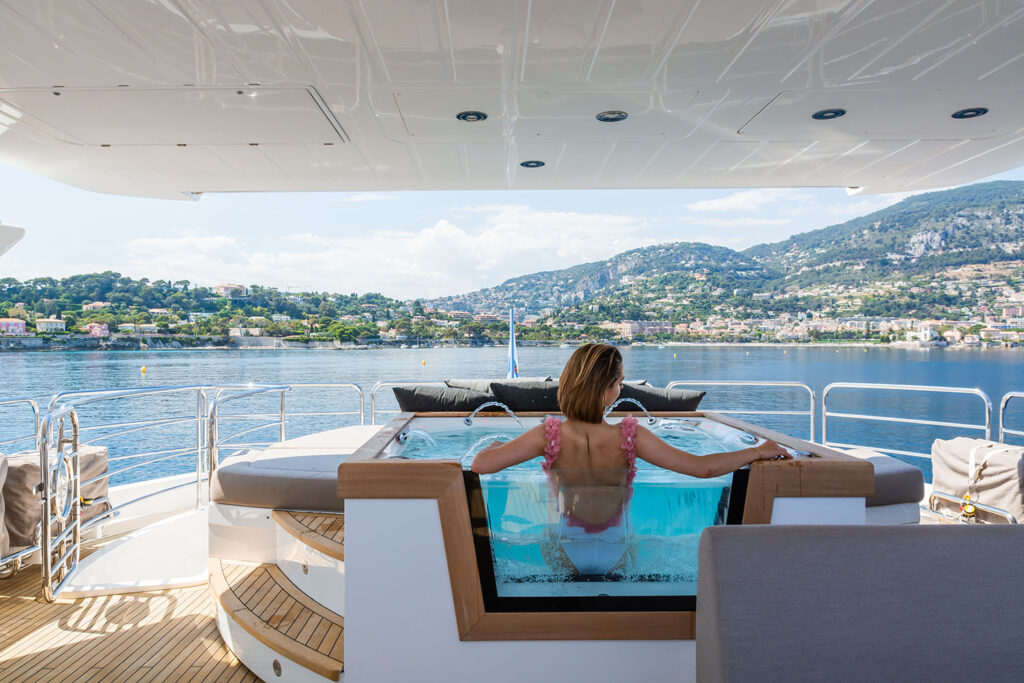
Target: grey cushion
{"type": "Point", "coordinates": [23, 515]}
{"type": "Point", "coordinates": [290, 480]}
{"type": "Point", "coordinates": [896, 482]}
{"type": "Point", "coordinates": [859, 603]}
{"type": "Point", "coordinates": [527, 396]}
{"type": "Point", "coordinates": [484, 385]}
{"type": "Point", "coordinates": [5, 538]}
{"type": "Point", "coordinates": [431, 399]}
{"type": "Point", "coordinates": [657, 399]}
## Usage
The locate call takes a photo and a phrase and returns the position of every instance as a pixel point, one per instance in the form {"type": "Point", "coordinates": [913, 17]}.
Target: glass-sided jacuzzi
{"type": "Point", "coordinates": [585, 540]}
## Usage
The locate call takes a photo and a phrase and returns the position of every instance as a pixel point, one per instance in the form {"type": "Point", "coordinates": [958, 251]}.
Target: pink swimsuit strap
{"type": "Point", "coordinates": [553, 440]}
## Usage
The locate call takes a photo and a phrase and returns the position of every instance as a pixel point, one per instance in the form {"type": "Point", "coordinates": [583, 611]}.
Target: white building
{"type": "Point", "coordinates": [49, 325]}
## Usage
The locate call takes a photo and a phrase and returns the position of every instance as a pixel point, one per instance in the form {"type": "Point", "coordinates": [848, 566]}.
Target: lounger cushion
{"type": "Point", "coordinates": [5, 538]}
{"type": "Point", "coordinates": [656, 399]}
{"type": "Point", "coordinates": [431, 399]}
{"type": "Point", "coordinates": [896, 482]}
{"type": "Point", "coordinates": [296, 480]}
{"type": "Point", "coordinates": [23, 515]}
{"type": "Point", "coordinates": [527, 396]}
{"type": "Point", "coordinates": [860, 603]}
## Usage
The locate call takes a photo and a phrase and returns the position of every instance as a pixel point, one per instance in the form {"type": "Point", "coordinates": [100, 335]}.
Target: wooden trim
{"type": "Point", "coordinates": [584, 626]}
{"type": "Point", "coordinates": [804, 478]}
{"type": "Point", "coordinates": [374, 446]}
{"type": "Point", "coordinates": [396, 478]}
{"type": "Point", "coordinates": [286, 520]}
{"type": "Point", "coordinates": [460, 553]}
{"type": "Point", "coordinates": [303, 655]}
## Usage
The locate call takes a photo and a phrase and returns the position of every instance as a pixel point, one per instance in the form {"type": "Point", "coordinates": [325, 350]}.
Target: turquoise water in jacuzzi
{"type": "Point", "coordinates": [696, 435]}
{"type": "Point", "coordinates": [537, 550]}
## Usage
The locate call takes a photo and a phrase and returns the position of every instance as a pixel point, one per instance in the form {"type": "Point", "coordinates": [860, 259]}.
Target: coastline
{"type": "Point", "coordinates": [122, 345]}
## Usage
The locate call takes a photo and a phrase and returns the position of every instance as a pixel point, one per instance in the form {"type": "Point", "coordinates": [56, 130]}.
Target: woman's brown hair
{"type": "Point", "coordinates": [591, 370]}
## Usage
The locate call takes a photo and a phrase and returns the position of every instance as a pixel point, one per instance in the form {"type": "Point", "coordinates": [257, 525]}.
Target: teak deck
{"type": "Point", "coordinates": [168, 635]}
{"type": "Point", "coordinates": [322, 531]}
{"type": "Point", "coordinates": [274, 611]}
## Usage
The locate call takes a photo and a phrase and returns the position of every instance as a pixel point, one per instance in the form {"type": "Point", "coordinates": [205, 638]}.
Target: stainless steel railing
{"type": "Point", "coordinates": [60, 500]}
{"type": "Point", "coordinates": [826, 415]}
{"type": "Point", "coordinates": [384, 385]}
{"type": "Point", "coordinates": [35, 416]}
{"type": "Point", "coordinates": [213, 440]}
{"type": "Point", "coordinates": [1003, 429]}
{"type": "Point", "coordinates": [810, 412]}
{"type": "Point", "coordinates": [117, 430]}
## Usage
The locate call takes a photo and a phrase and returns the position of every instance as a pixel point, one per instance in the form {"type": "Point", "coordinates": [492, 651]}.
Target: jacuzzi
{"type": "Point", "coordinates": [476, 576]}
{"type": "Point", "coordinates": [536, 558]}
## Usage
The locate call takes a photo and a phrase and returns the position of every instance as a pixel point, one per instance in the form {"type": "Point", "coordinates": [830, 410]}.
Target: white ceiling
{"type": "Point", "coordinates": [167, 97]}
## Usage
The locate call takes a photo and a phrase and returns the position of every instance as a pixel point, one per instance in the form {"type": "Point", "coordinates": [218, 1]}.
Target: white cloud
{"type": "Point", "coordinates": [750, 200]}
{"type": "Point", "coordinates": [444, 258]}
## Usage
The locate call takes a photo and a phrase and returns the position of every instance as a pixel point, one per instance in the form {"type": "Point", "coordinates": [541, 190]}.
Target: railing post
{"type": "Point", "coordinates": [282, 415]}
{"type": "Point", "coordinates": [199, 448]}
{"type": "Point", "coordinates": [211, 438]}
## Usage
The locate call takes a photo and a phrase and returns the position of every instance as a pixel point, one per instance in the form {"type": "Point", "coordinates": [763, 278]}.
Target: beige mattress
{"type": "Point", "coordinates": [22, 514]}
{"type": "Point", "coordinates": [5, 538]}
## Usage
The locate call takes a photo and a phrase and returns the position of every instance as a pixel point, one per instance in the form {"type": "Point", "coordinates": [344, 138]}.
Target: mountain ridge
{"type": "Point", "coordinates": [920, 236]}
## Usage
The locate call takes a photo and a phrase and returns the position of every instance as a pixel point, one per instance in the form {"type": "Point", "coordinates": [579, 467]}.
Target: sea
{"type": "Point", "coordinates": [154, 433]}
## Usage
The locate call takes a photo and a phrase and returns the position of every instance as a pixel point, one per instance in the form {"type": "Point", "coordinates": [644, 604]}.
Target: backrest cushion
{"type": "Point", "coordinates": [527, 396]}
{"type": "Point", "coordinates": [656, 399]}
{"type": "Point", "coordinates": [484, 385]}
{"type": "Point", "coordinates": [433, 399]}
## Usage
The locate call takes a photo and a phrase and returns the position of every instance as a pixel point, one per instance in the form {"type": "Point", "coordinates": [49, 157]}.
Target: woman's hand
{"type": "Point", "coordinates": [769, 450]}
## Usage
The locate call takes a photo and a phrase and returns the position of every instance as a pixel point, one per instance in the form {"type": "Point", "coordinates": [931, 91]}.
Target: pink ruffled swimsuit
{"type": "Point", "coordinates": [553, 446]}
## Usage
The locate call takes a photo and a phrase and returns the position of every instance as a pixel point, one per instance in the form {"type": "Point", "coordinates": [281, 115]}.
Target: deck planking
{"type": "Point", "coordinates": [168, 635]}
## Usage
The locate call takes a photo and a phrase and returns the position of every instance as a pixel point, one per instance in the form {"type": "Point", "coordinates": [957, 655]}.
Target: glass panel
{"type": "Point", "coordinates": [573, 533]}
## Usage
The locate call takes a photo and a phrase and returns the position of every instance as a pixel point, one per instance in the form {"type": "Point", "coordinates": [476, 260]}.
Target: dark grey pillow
{"type": "Point", "coordinates": [484, 385]}
{"type": "Point", "coordinates": [539, 397]}
{"type": "Point", "coordinates": [657, 399]}
{"type": "Point", "coordinates": [431, 399]}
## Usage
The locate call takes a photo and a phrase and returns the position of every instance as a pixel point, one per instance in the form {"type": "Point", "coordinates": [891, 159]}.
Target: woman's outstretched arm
{"type": "Point", "coordinates": [655, 451]}
{"type": "Point", "coordinates": [498, 456]}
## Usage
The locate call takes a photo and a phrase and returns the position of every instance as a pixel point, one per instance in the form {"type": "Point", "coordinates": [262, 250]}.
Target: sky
{"type": "Point", "coordinates": [402, 244]}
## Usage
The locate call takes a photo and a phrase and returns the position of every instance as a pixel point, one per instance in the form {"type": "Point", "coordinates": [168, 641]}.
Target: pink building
{"type": "Point", "coordinates": [12, 326]}
{"type": "Point", "coordinates": [97, 330]}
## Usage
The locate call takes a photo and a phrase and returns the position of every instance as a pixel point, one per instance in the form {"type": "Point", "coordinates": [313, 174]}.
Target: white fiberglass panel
{"type": "Point", "coordinates": [193, 116]}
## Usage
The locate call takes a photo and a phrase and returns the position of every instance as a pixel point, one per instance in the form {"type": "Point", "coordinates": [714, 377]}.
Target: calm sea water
{"type": "Point", "coordinates": [41, 374]}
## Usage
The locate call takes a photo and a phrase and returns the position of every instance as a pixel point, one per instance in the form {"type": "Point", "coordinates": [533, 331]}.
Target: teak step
{"type": "Point", "coordinates": [322, 531]}
{"type": "Point", "coordinates": [266, 604]}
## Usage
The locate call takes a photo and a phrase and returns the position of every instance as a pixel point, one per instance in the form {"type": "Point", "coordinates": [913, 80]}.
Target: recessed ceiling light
{"type": "Point", "coordinates": [471, 116]}
{"type": "Point", "coordinates": [612, 115]}
{"type": "Point", "coordinates": [828, 114]}
{"type": "Point", "coordinates": [532, 164]}
{"type": "Point", "coordinates": [970, 113]}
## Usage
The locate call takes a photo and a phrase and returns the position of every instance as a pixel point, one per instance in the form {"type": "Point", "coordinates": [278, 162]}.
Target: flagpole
{"type": "Point", "coordinates": [513, 366]}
